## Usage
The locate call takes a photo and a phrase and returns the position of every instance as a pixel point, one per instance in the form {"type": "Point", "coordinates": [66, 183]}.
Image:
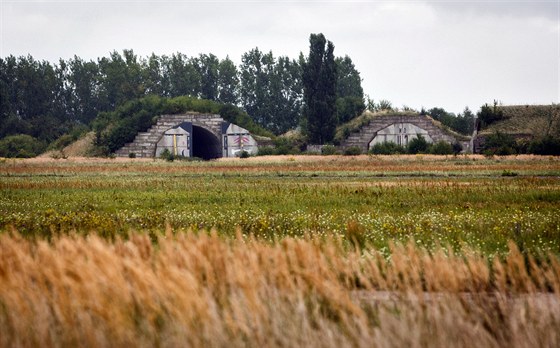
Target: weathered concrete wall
{"type": "Point", "coordinates": [400, 134]}
{"type": "Point", "coordinates": [176, 141]}
{"type": "Point", "coordinates": [236, 140]}
{"type": "Point", "coordinates": [203, 135]}
{"type": "Point", "coordinates": [145, 143]}
{"type": "Point", "coordinates": [387, 126]}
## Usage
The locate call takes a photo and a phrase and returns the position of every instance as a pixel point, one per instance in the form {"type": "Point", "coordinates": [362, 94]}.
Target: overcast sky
{"type": "Point", "coordinates": [449, 53]}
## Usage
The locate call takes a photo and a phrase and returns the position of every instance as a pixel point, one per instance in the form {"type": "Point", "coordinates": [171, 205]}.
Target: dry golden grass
{"type": "Point", "coordinates": [202, 290]}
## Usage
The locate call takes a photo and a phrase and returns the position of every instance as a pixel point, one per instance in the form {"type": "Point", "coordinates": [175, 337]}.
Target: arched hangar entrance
{"type": "Point", "coordinates": [205, 144]}
{"type": "Point", "coordinates": [189, 140]}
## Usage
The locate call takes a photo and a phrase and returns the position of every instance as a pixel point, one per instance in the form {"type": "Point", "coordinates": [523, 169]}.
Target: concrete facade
{"type": "Point", "coordinates": [400, 129]}
{"type": "Point", "coordinates": [400, 134]}
{"type": "Point", "coordinates": [237, 140]}
{"type": "Point", "coordinates": [191, 135]}
{"type": "Point", "coordinates": [176, 140]}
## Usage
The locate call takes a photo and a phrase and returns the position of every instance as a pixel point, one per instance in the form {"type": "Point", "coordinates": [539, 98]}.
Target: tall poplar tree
{"type": "Point", "coordinates": [319, 90]}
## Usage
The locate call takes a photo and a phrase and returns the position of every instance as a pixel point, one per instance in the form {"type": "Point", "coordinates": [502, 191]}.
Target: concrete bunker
{"type": "Point", "coordinates": [400, 134]}
{"type": "Point", "coordinates": [206, 141]}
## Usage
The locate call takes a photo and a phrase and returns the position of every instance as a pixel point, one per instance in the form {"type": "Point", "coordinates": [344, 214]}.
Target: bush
{"type": "Point", "coordinates": [288, 146]}
{"type": "Point", "coordinates": [167, 155]}
{"type": "Point", "coordinates": [244, 154]}
{"type": "Point", "coordinates": [500, 144]}
{"type": "Point", "coordinates": [418, 145]}
{"type": "Point", "coordinates": [457, 148]}
{"type": "Point", "coordinates": [328, 150]}
{"type": "Point", "coordinates": [21, 146]}
{"type": "Point", "coordinates": [352, 151]}
{"type": "Point", "coordinates": [387, 148]}
{"type": "Point", "coordinates": [488, 115]}
{"type": "Point", "coordinates": [67, 139]}
{"type": "Point", "coordinates": [441, 148]}
{"type": "Point", "coordinates": [265, 151]}
{"type": "Point", "coordinates": [545, 146]}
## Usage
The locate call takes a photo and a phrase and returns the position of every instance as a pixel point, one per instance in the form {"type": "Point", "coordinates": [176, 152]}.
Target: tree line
{"type": "Point", "coordinates": [46, 100]}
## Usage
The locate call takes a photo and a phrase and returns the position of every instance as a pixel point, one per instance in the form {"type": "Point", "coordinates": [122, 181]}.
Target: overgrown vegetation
{"type": "Point", "coordinates": [114, 129]}
{"type": "Point", "coordinates": [490, 114]}
{"type": "Point", "coordinates": [462, 123]}
{"type": "Point", "coordinates": [21, 146]}
{"type": "Point", "coordinates": [503, 144]}
{"type": "Point", "coordinates": [417, 145]}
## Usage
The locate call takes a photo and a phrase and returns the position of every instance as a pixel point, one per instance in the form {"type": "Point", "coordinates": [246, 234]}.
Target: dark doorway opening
{"type": "Point", "coordinates": [205, 145]}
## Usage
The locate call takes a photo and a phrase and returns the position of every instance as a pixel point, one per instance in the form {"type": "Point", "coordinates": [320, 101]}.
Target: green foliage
{"type": "Point", "coordinates": [442, 148]}
{"type": "Point", "coordinates": [500, 144]}
{"type": "Point", "coordinates": [387, 148]}
{"type": "Point", "coordinates": [349, 82]}
{"type": "Point", "coordinates": [228, 82]}
{"type": "Point", "coordinates": [167, 155]}
{"type": "Point", "coordinates": [418, 145]}
{"type": "Point", "coordinates": [352, 151]}
{"type": "Point", "coordinates": [266, 151]}
{"type": "Point", "coordinates": [457, 148]}
{"type": "Point", "coordinates": [319, 81]}
{"type": "Point", "coordinates": [117, 128]}
{"type": "Point", "coordinates": [349, 92]}
{"type": "Point", "coordinates": [510, 173]}
{"type": "Point", "coordinates": [545, 146]}
{"type": "Point", "coordinates": [288, 146]}
{"type": "Point", "coordinates": [384, 104]}
{"type": "Point", "coordinates": [207, 66]}
{"type": "Point", "coordinates": [348, 108]}
{"type": "Point", "coordinates": [488, 115]}
{"type": "Point", "coordinates": [21, 146]}
{"type": "Point", "coordinates": [328, 150]}
{"type": "Point", "coordinates": [462, 123]}
{"type": "Point", "coordinates": [271, 90]}
{"type": "Point", "coordinates": [67, 139]}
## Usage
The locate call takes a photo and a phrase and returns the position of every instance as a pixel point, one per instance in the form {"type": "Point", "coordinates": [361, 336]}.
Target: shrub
{"type": "Point", "coordinates": [265, 151]}
{"type": "Point", "coordinates": [167, 155]}
{"type": "Point", "coordinates": [545, 146]}
{"type": "Point", "coordinates": [488, 115]}
{"type": "Point", "coordinates": [387, 148]}
{"type": "Point", "coordinates": [441, 148]}
{"type": "Point", "coordinates": [418, 145]}
{"type": "Point", "coordinates": [21, 146]}
{"type": "Point", "coordinates": [457, 148]}
{"type": "Point", "coordinates": [131, 155]}
{"type": "Point", "coordinates": [507, 172]}
{"type": "Point", "coordinates": [500, 144]}
{"type": "Point", "coordinates": [328, 150]}
{"type": "Point", "coordinates": [287, 146]}
{"type": "Point", "coordinates": [244, 154]}
{"type": "Point", "coordinates": [352, 151]}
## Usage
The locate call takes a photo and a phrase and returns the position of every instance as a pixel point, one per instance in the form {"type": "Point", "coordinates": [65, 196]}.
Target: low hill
{"type": "Point", "coordinates": [526, 121]}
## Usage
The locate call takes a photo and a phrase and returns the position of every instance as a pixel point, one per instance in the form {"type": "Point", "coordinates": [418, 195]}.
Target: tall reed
{"type": "Point", "coordinates": [197, 289]}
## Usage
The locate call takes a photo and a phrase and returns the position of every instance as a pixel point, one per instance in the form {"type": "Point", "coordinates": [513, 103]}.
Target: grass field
{"type": "Point", "coordinates": [281, 251]}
